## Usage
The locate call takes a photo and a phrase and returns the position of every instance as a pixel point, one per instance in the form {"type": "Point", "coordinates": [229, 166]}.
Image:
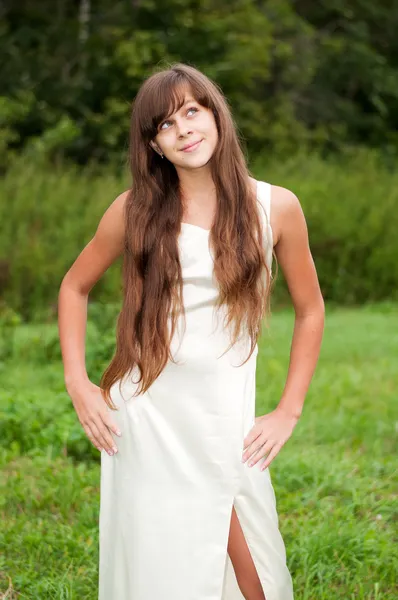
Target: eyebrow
{"type": "Point", "coordinates": [188, 101]}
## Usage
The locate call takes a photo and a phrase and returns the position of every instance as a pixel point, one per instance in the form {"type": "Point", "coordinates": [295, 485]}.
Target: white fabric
{"type": "Point", "coordinates": [167, 495]}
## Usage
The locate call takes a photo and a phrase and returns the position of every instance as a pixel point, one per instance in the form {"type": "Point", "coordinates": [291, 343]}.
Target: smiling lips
{"type": "Point", "coordinates": [191, 147]}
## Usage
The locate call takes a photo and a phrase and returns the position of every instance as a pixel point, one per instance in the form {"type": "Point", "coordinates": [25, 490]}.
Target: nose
{"type": "Point", "coordinates": [183, 128]}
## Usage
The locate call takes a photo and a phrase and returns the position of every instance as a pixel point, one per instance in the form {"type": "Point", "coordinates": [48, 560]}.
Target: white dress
{"type": "Point", "coordinates": [166, 497]}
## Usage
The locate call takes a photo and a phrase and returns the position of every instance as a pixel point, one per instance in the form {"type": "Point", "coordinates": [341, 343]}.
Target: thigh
{"type": "Point", "coordinates": [245, 570]}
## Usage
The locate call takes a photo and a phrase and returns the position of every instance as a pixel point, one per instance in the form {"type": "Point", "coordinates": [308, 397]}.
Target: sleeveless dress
{"type": "Point", "coordinates": [166, 496]}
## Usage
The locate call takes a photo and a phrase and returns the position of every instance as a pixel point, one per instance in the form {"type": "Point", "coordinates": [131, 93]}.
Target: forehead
{"type": "Point", "coordinates": [176, 98]}
{"type": "Point", "coordinates": [168, 100]}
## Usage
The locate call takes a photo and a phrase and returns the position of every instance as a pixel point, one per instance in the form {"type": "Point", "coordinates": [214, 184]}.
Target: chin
{"type": "Point", "coordinates": [201, 159]}
{"type": "Point", "coordinates": [197, 164]}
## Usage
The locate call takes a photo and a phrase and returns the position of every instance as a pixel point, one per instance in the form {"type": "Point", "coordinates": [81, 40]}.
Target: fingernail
{"type": "Point", "coordinates": [114, 449]}
{"type": "Point", "coordinates": [118, 432]}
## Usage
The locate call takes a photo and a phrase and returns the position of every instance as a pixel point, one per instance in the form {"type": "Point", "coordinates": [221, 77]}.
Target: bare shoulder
{"type": "Point", "coordinates": [112, 221]}
{"type": "Point", "coordinates": [286, 211]}
{"type": "Point", "coordinates": [110, 231]}
{"type": "Point", "coordinates": [102, 250]}
{"type": "Point", "coordinates": [293, 252]}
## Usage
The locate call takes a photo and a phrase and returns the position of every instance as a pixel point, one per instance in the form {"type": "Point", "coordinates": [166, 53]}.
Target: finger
{"type": "Point", "coordinates": [255, 457]}
{"type": "Point", "coordinates": [267, 447]}
{"type": "Point", "coordinates": [109, 423]}
{"type": "Point", "coordinates": [102, 434]}
{"type": "Point", "coordinates": [254, 448]}
{"type": "Point", "coordinates": [251, 437]}
{"type": "Point", "coordinates": [92, 437]}
{"type": "Point", "coordinates": [271, 456]}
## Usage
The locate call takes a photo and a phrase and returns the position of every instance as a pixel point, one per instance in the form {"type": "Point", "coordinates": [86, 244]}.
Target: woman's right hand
{"type": "Point", "coordinates": [93, 415]}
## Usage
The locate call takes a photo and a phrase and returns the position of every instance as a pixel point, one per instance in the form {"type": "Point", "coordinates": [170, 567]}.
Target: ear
{"type": "Point", "coordinates": [154, 146]}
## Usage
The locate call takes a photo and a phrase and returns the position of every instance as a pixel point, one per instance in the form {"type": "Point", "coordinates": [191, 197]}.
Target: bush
{"type": "Point", "coordinates": [47, 216]}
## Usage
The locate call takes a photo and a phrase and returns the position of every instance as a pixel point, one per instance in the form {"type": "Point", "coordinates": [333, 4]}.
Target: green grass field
{"type": "Point", "coordinates": [335, 479]}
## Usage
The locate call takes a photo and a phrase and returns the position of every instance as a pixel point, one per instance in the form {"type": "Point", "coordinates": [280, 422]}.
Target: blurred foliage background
{"type": "Point", "coordinates": [313, 88]}
{"type": "Point", "coordinates": [296, 73]}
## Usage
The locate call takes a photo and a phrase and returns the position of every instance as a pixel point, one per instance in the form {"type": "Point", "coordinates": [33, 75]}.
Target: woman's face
{"type": "Point", "coordinates": [191, 124]}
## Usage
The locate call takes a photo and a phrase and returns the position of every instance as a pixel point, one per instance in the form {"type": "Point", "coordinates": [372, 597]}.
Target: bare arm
{"type": "Point", "coordinates": [294, 257]}
{"type": "Point", "coordinates": [271, 431]}
{"type": "Point", "coordinates": [102, 250]}
{"type": "Point", "coordinates": [99, 254]}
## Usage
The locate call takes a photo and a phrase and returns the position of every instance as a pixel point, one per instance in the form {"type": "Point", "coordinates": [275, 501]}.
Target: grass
{"type": "Point", "coordinates": [334, 479]}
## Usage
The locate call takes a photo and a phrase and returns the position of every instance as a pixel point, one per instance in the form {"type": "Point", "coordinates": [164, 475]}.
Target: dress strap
{"type": "Point", "coordinates": [264, 198]}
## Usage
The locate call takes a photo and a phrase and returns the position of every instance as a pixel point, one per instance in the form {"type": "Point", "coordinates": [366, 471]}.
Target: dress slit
{"type": "Point", "coordinates": [251, 550]}
{"type": "Point", "coordinates": [231, 589]}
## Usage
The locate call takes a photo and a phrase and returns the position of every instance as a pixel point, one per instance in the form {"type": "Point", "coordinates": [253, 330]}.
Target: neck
{"type": "Point", "coordinates": [197, 187]}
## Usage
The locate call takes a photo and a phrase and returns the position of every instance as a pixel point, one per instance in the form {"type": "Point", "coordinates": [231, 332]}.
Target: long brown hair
{"type": "Point", "coordinates": [152, 275]}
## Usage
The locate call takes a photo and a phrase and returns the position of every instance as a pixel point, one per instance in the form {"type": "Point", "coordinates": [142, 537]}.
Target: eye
{"type": "Point", "coordinates": [164, 123]}
{"type": "Point", "coordinates": [188, 110]}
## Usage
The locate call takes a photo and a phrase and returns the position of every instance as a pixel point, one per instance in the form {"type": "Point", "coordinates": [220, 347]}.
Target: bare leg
{"type": "Point", "coordinates": [245, 570]}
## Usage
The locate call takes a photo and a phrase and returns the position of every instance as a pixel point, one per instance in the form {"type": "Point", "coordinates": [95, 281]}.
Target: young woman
{"type": "Point", "coordinates": [187, 506]}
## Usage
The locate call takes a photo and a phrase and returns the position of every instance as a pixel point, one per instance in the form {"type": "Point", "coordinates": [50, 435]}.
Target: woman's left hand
{"type": "Point", "coordinates": [269, 433]}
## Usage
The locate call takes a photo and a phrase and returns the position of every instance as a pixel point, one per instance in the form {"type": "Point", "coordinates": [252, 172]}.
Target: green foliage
{"type": "Point", "coordinates": [297, 74]}
{"type": "Point", "coordinates": [350, 204]}
{"type": "Point", "coordinates": [28, 425]}
{"type": "Point", "coordinates": [9, 321]}
{"type": "Point", "coordinates": [47, 216]}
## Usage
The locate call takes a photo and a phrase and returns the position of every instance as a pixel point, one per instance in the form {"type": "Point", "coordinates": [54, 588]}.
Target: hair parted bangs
{"type": "Point", "coordinates": [167, 97]}
{"type": "Point", "coordinates": [152, 272]}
